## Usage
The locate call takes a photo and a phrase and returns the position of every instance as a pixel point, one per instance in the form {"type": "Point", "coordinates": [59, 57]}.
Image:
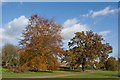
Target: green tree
{"type": "Point", "coordinates": [111, 64]}
{"type": "Point", "coordinates": [41, 44]}
{"type": "Point", "coordinates": [86, 46]}
{"type": "Point", "coordinates": [10, 58]}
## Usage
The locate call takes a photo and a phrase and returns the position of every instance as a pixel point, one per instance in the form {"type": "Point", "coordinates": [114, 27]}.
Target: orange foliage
{"type": "Point", "coordinates": [41, 45]}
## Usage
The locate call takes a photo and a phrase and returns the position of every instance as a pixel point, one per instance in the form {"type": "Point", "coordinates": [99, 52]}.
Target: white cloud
{"type": "Point", "coordinates": [2, 35]}
{"type": "Point", "coordinates": [13, 29]}
{"type": "Point", "coordinates": [103, 12]}
{"type": "Point", "coordinates": [104, 33]}
{"type": "Point", "coordinates": [1, 31]}
{"type": "Point", "coordinates": [88, 14]}
{"type": "Point", "coordinates": [18, 22]}
{"type": "Point", "coordinates": [70, 22]}
{"type": "Point", "coordinates": [71, 26]}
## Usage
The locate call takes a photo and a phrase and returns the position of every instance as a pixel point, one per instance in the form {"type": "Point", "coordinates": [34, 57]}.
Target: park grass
{"type": "Point", "coordinates": [96, 74]}
{"type": "Point", "coordinates": [90, 74]}
{"type": "Point", "coordinates": [7, 74]}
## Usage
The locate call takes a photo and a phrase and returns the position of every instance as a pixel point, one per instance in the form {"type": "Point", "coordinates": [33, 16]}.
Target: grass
{"type": "Point", "coordinates": [89, 74]}
{"type": "Point", "coordinates": [7, 74]}
{"type": "Point", "coordinates": [96, 74]}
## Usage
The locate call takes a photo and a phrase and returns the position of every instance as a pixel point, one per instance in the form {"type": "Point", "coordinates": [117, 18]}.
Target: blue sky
{"type": "Point", "coordinates": [100, 17]}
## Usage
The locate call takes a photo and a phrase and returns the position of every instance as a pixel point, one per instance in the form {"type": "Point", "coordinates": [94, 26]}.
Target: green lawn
{"type": "Point", "coordinates": [97, 74]}
{"type": "Point", "coordinates": [8, 74]}
{"type": "Point", "coordinates": [89, 74]}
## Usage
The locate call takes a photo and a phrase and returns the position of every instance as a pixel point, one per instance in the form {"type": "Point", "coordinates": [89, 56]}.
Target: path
{"type": "Point", "coordinates": [53, 76]}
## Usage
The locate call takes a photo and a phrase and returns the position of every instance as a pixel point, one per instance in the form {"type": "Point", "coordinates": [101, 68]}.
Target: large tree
{"type": "Point", "coordinates": [86, 47]}
{"type": "Point", "coordinates": [41, 44]}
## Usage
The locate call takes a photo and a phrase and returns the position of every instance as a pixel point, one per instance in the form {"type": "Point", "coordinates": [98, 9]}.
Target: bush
{"type": "Point", "coordinates": [111, 64]}
{"type": "Point", "coordinates": [17, 69]}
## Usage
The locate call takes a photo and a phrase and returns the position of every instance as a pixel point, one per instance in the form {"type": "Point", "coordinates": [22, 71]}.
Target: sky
{"type": "Point", "coordinates": [100, 17]}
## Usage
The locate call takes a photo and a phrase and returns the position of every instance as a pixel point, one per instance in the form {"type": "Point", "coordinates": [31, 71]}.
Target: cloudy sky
{"type": "Point", "coordinates": [102, 18]}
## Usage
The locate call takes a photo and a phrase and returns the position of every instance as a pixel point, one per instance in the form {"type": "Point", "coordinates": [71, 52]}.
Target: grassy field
{"type": "Point", "coordinates": [89, 74]}
{"type": "Point", "coordinates": [7, 74]}
{"type": "Point", "coordinates": [97, 74]}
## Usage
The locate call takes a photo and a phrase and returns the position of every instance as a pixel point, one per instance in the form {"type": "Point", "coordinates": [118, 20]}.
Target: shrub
{"type": "Point", "coordinates": [111, 64]}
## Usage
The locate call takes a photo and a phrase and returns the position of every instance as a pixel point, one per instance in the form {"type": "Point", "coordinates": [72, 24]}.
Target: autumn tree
{"type": "Point", "coordinates": [86, 47]}
{"type": "Point", "coordinates": [10, 58]}
{"type": "Point", "coordinates": [111, 64]}
{"type": "Point", "coordinates": [69, 58]}
{"type": "Point", "coordinates": [41, 44]}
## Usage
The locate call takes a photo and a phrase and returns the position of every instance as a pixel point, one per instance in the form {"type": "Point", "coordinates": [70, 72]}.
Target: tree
{"type": "Point", "coordinates": [70, 59]}
{"type": "Point", "coordinates": [10, 58]}
{"type": "Point", "coordinates": [87, 46]}
{"type": "Point", "coordinates": [111, 64]}
{"type": "Point", "coordinates": [41, 44]}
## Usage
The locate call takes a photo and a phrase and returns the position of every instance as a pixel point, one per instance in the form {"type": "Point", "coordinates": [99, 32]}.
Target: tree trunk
{"type": "Point", "coordinates": [83, 67]}
{"type": "Point", "coordinates": [83, 64]}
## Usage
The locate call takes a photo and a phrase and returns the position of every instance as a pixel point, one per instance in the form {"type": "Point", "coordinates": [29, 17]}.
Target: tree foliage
{"type": "Point", "coordinates": [111, 64]}
{"type": "Point", "coordinates": [10, 58]}
{"type": "Point", "coordinates": [41, 44]}
{"type": "Point", "coordinates": [86, 47]}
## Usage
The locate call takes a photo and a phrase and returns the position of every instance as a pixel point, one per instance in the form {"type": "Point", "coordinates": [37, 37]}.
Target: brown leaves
{"type": "Point", "coordinates": [41, 44]}
{"type": "Point", "coordinates": [88, 46]}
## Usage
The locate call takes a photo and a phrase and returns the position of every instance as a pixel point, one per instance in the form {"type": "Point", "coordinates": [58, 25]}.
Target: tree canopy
{"type": "Point", "coordinates": [41, 44]}
{"type": "Point", "coordinates": [111, 64]}
{"type": "Point", "coordinates": [10, 58]}
{"type": "Point", "coordinates": [86, 47]}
